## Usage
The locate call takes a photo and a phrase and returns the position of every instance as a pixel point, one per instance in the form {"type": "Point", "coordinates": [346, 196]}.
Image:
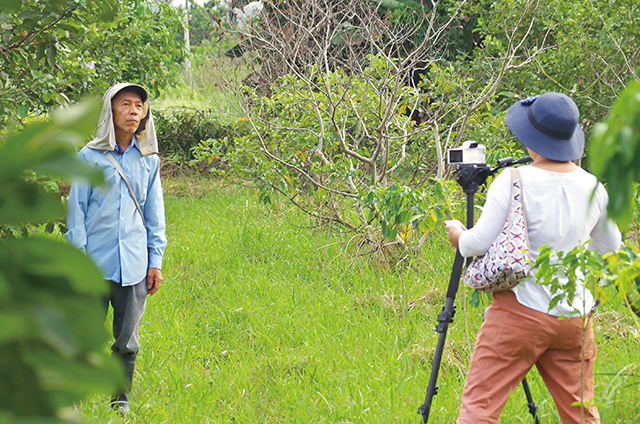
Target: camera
{"type": "Point", "coordinates": [470, 152]}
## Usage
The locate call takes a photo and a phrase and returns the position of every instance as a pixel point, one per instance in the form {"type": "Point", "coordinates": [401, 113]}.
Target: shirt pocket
{"type": "Point", "coordinates": [111, 177]}
{"type": "Point", "coordinates": [138, 173]}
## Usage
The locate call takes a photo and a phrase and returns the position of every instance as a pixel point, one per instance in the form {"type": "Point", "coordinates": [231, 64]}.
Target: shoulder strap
{"type": "Point", "coordinates": [515, 175]}
{"type": "Point", "coordinates": [115, 163]}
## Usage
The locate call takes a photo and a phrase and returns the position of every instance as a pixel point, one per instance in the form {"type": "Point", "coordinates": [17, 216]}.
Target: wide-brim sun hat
{"type": "Point", "coordinates": [548, 124]}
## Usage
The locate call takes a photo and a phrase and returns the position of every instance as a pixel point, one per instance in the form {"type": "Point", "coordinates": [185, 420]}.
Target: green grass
{"type": "Point", "coordinates": [265, 318]}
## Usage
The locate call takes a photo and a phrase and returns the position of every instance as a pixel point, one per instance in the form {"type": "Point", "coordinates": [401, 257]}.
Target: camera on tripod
{"type": "Point", "coordinates": [470, 163]}
{"type": "Point", "coordinates": [470, 152]}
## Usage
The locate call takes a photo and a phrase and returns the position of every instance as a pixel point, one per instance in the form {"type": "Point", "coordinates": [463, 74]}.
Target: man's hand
{"type": "Point", "coordinates": [154, 278]}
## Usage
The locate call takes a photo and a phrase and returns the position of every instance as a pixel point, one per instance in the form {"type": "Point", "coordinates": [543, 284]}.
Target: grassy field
{"type": "Point", "coordinates": [264, 317]}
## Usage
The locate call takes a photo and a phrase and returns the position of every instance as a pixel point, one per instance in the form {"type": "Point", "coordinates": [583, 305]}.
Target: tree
{"type": "Point", "coordinates": [592, 50]}
{"type": "Point", "coordinates": [53, 52]}
{"type": "Point", "coordinates": [204, 21]}
{"type": "Point", "coordinates": [332, 100]}
{"type": "Point", "coordinates": [615, 151]}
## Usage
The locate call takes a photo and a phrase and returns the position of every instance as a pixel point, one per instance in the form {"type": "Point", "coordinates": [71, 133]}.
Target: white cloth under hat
{"type": "Point", "coordinates": [106, 134]}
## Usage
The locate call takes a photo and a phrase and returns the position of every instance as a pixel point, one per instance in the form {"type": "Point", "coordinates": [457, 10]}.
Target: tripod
{"type": "Point", "coordinates": [470, 177]}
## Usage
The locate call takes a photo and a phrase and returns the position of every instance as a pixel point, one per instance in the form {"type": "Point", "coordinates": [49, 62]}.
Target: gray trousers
{"type": "Point", "coordinates": [128, 308]}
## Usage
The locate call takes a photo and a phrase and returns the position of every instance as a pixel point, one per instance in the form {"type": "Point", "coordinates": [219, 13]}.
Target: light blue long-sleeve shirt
{"type": "Point", "coordinates": [104, 221]}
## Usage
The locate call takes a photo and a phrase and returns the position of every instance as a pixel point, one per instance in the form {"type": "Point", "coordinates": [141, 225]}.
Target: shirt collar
{"type": "Point", "coordinates": [134, 142]}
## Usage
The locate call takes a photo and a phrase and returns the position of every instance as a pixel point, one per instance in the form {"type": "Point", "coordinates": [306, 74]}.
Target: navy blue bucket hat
{"type": "Point", "coordinates": [549, 125]}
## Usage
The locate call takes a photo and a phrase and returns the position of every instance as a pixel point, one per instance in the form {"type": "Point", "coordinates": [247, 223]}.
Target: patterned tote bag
{"type": "Point", "coordinates": [507, 262]}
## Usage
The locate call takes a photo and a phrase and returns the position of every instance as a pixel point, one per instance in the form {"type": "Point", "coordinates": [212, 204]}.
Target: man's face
{"type": "Point", "coordinates": [127, 111]}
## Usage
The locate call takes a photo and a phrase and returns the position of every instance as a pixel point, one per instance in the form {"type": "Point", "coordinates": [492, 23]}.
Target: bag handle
{"type": "Point", "coordinates": [515, 175]}
{"type": "Point", "coordinates": [115, 163]}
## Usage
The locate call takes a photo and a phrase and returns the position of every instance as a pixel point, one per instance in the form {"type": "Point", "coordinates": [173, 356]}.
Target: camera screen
{"type": "Point", "coordinates": [455, 156]}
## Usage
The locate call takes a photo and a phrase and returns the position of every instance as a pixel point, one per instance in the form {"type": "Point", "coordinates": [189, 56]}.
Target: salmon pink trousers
{"type": "Point", "coordinates": [511, 340]}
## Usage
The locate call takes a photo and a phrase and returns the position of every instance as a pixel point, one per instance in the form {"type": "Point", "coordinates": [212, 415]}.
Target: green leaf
{"type": "Point", "coordinates": [371, 214]}
{"type": "Point", "coordinates": [51, 259]}
{"type": "Point", "coordinates": [20, 392]}
{"type": "Point", "coordinates": [80, 117]}
{"type": "Point", "coordinates": [41, 51]}
{"type": "Point", "coordinates": [475, 298]}
{"type": "Point", "coordinates": [385, 229]}
{"type": "Point", "coordinates": [11, 5]}
{"type": "Point", "coordinates": [67, 27]}
{"type": "Point", "coordinates": [439, 190]}
{"type": "Point", "coordinates": [370, 198]}
{"type": "Point", "coordinates": [423, 226]}
{"type": "Point", "coordinates": [52, 54]}
{"type": "Point", "coordinates": [613, 153]}
{"type": "Point", "coordinates": [50, 227]}
{"type": "Point", "coordinates": [72, 378]}
{"type": "Point", "coordinates": [26, 13]}
{"type": "Point", "coordinates": [23, 111]}
{"type": "Point", "coordinates": [11, 327]}
{"type": "Point", "coordinates": [70, 166]}
{"type": "Point", "coordinates": [50, 186]}
{"type": "Point", "coordinates": [55, 329]}
{"type": "Point", "coordinates": [22, 202]}
{"type": "Point", "coordinates": [42, 142]}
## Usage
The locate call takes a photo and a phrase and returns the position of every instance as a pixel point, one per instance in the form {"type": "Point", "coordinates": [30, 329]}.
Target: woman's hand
{"type": "Point", "coordinates": [454, 229]}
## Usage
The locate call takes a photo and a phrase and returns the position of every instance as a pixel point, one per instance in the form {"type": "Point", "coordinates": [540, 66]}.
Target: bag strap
{"type": "Point", "coordinates": [115, 163]}
{"type": "Point", "coordinates": [515, 175]}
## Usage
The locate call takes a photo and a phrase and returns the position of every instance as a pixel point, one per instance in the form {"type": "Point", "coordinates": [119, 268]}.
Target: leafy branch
{"type": "Point", "coordinates": [620, 270]}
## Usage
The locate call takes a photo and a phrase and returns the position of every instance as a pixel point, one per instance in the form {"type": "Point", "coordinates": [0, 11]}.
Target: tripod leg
{"type": "Point", "coordinates": [444, 318]}
{"type": "Point", "coordinates": [533, 409]}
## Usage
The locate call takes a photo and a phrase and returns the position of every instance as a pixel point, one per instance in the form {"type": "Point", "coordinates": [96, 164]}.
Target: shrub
{"type": "Point", "coordinates": [181, 129]}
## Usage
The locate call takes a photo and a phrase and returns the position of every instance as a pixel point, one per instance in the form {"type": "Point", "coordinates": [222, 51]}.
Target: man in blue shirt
{"type": "Point", "coordinates": [126, 240]}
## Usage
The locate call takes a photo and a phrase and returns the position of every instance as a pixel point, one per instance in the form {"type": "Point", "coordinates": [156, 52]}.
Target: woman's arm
{"type": "Point", "coordinates": [605, 236]}
{"type": "Point", "coordinates": [477, 240]}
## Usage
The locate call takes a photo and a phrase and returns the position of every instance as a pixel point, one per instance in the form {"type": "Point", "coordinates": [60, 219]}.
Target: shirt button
{"type": "Point", "coordinates": [121, 218]}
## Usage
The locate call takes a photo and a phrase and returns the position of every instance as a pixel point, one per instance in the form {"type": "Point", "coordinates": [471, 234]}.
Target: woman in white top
{"type": "Point", "coordinates": [520, 328]}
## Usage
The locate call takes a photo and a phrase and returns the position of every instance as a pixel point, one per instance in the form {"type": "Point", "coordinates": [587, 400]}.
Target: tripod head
{"type": "Point", "coordinates": [471, 176]}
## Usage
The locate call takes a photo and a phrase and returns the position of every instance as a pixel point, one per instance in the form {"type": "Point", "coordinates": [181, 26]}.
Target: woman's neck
{"type": "Point", "coordinates": [552, 165]}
